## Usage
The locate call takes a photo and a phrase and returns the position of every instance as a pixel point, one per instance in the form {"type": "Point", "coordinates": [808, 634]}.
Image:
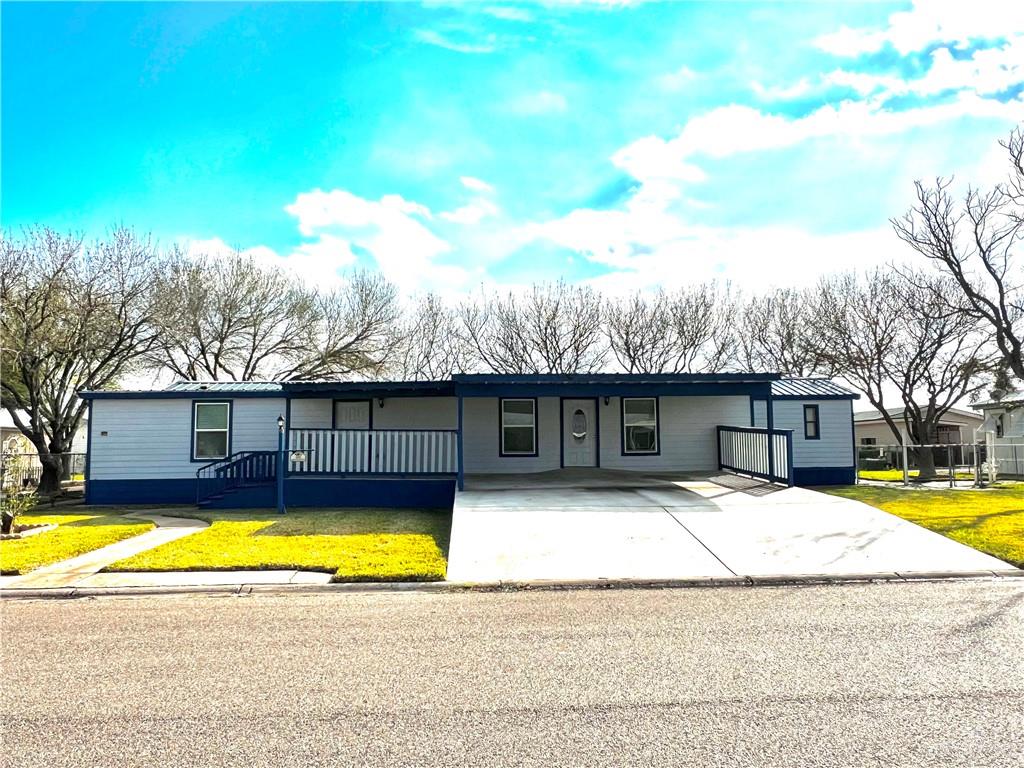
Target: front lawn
{"type": "Point", "coordinates": [353, 544]}
{"type": "Point", "coordinates": [74, 535]}
{"type": "Point", "coordinates": [990, 520]}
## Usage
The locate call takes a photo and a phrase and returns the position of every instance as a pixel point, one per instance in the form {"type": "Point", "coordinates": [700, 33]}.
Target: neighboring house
{"type": "Point", "coordinates": [13, 441]}
{"type": "Point", "coordinates": [956, 427]}
{"type": "Point", "coordinates": [1003, 425]}
{"type": "Point", "coordinates": [413, 443]}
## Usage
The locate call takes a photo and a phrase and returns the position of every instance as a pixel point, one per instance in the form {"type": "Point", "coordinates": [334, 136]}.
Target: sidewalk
{"type": "Point", "coordinates": [78, 570]}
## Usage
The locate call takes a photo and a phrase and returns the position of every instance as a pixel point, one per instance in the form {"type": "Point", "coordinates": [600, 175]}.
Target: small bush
{"type": "Point", "coordinates": [13, 506]}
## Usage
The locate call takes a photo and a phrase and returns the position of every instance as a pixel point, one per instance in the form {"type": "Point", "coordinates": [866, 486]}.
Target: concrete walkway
{"type": "Point", "coordinates": [77, 570]}
{"type": "Point", "coordinates": [604, 524]}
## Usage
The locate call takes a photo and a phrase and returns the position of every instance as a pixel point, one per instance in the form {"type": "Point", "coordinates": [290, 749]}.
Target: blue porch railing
{"type": "Point", "coordinates": [237, 470]}
{"type": "Point", "coordinates": [746, 450]}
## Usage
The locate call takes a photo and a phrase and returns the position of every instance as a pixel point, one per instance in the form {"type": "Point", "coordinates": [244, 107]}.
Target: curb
{"type": "Point", "coordinates": [443, 587]}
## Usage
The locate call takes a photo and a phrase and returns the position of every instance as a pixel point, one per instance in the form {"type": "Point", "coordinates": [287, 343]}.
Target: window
{"type": "Point", "coordinates": [812, 428]}
{"type": "Point", "coordinates": [639, 425]}
{"type": "Point", "coordinates": [518, 427]}
{"type": "Point", "coordinates": [211, 430]}
{"type": "Point", "coordinates": [869, 441]}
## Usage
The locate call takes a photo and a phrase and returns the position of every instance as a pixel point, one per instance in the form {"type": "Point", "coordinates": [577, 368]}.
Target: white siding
{"type": "Point", "coordinates": [835, 448]}
{"type": "Point", "coordinates": [308, 413]}
{"type": "Point", "coordinates": [152, 438]}
{"type": "Point", "coordinates": [416, 413]}
{"type": "Point", "coordinates": [688, 435]}
{"type": "Point", "coordinates": [480, 438]}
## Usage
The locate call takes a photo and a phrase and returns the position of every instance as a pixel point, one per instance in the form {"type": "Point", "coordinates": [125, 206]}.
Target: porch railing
{"type": "Point", "coordinates": [745, 450]}
{"type": "Point", "coordinates": [374, 451]}
{"type": "Point", "coordinates": [237, 470]}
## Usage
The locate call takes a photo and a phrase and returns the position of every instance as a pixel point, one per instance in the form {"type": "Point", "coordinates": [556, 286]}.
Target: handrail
{"type": "Point", "coordinates": [758, 452]}
{"type": "Point", "coordinates": [225, 459]}
{"type": "Point", "coordinates": [233, 471]}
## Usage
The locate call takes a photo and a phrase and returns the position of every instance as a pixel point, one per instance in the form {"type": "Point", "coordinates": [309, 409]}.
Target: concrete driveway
{"type": "Point", "coordinates": [593, 524]}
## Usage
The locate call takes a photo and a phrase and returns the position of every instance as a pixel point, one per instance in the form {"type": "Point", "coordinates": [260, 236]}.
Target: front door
{"type": "Point", "coordinates": [579, 433]}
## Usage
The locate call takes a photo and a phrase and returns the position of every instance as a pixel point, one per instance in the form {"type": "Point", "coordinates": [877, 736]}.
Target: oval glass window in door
{"type": "Point", "coordinates": [579, 426]}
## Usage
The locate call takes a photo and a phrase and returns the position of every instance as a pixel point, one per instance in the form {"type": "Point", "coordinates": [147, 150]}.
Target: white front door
{"type": "Point", "coordinates": [579, 433]}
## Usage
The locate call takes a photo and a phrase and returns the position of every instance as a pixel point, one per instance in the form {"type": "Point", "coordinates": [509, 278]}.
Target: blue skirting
{"type": "Point", "coordinates": [824, 475]}
{"type": "Point", "coordinates": [386, 492]}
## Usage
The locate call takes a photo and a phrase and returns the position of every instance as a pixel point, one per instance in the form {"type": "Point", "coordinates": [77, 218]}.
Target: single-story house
{"type": "Point", "coordinates": [413, 443]}
{"type": "Point", "coordinates": [1003, 427]}
{"type": "Point", "coordinates": [956, 427]}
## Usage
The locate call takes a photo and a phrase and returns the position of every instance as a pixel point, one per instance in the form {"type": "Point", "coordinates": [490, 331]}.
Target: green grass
{"type": "Point", "coordinates": [896, 475]}
{"type": "Point", "coordinates": [353, 544]}
{"type": "Point", "coordinates": [989, 520]}
{"type": "Point", "coordinates": [75, 534]}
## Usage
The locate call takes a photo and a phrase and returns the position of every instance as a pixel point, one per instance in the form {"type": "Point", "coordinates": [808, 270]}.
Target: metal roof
{"type": "Point", "coordinates": [811, 388]}
{"type": "Point", "coordinates": [897, 413]}
{"type": "Point", "coordinates": [225, 386]}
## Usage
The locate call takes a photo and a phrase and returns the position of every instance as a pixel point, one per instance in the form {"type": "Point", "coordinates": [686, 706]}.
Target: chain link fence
{"type": "Point", "coordinates": [20, 471]}
{"type": "Point", "coordinates": [952, 464]}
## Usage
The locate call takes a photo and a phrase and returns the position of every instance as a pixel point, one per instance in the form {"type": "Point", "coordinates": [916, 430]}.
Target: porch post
{"type": "Point", "coordinates": [461, 477]}
{"type": "Point", "coordinates": [771, 429]}
{"type": "Point", "coordinates": [280, 465]}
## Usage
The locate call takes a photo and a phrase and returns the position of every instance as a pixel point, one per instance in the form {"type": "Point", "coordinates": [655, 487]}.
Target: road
{"type": "Point", "coordinates": [925, 674]}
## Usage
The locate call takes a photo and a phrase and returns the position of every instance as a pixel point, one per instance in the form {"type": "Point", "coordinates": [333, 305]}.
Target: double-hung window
{"type": "Point", "coordinates": [639, 425]}
{"type": "Point", "coordinates": [812, 426]}
{"type": "Point", "coordinates": [518, 427]}
{"type": "Point", "coordinates": [211, 430]}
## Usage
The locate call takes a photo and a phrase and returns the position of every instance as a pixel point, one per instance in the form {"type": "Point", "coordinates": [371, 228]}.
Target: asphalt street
{"type": "Point", "coordinates": [919, 674]}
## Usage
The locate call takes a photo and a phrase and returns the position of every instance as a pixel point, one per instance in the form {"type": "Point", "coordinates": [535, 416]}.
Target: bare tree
{"type": "Point", "coordinates": [231, 319]}
{"type": "Point", "coordinates": [554, 328]}
{"type": "Point", "coordinates": [689, 331]}
{"type": "Point", "coordinates": [775, 334]}
{"type": "Point", "coordinates": [882, 332]}
{"type": "Point", "coordinates": [73, 318]}
{"type": "Point", "coordinates": [975, 243]}
{"type": "Point", "coordinates": [433, 347]}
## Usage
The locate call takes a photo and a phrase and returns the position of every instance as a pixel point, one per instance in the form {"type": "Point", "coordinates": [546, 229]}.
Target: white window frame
{"type": "Point", "coordinates": [657, 428]}
{"type": "Point", "coordinates": [196, 430]}
{"type": "Point", "coordinates": [502, 426]}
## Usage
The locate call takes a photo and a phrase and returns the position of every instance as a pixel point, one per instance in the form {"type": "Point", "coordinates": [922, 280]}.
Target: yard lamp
{"type": "Point", "coordinates": [280, 465]}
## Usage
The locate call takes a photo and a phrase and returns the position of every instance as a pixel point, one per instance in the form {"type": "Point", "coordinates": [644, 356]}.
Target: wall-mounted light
{"type": "Point", "coordinates": [606, 400]}
{"type": "Point", "coordinates": [380, 402]}
{"type": "Point", "coordinates": [280, 423]}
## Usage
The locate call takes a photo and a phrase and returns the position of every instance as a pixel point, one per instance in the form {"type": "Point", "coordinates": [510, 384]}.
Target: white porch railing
{"type": "Point", "coordinates": [374, 451]}
{"type": "Point", "coordinates": [745, 450]}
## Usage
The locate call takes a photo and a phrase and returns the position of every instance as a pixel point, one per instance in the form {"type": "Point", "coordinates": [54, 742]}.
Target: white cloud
{"type": "Point", "coordinates": [508, 12]}
{"type": "Point", "coordinates": [318, 263]}
{"type": "Point", "coordinates": [477, 185]}
{"type": "Point", "coordinates": [931, 21]}
{"type": "Point", "coordinates": [988, 71]}
{"type": "Point", "coordinates": [677, 80]}
{"type": "Point", "coordinates": [472, 213]}
{"type": "Point", "coordinates": [488, 44]}
{"type": "Point", "coordinates": [783, 93]}
{"type": "Point", "coordinates": [538, 103]}
{"type": "Point", "coordinates": [391, 229]}
{"type": "Point", "coordinates": [736, 129]}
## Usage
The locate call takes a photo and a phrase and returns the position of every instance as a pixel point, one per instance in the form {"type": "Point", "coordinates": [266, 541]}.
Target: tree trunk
{"type": "Point", "coordinates": [49, 481]}
{"type": "Point", "coordinates": [925, 464]}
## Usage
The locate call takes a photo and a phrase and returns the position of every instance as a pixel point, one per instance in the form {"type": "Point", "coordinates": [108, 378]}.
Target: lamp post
{"type": "Point", "coordinates": [280, 465]}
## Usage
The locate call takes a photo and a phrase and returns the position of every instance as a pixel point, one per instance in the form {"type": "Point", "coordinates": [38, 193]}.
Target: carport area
{"type": "Point", "coordinates": [574, 524]}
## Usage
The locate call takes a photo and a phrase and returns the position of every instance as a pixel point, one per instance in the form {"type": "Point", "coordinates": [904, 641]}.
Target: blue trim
{"type": "Point", "coordinates": [536, 430]}
{"type": "Point", "coordinates": [752, 412]}
{"type": "Point", "coordinates": [392, 492]}
{"type": "Point", "coordinates": [854, 457]}
{"type": "Point", "coordinates": [604, 378]}
{"type": "Point", "coordinates": [769, 423]}
{"type": "Point", "coordinates": [824, 475]}
{"type": "Point", "coordinates": [816, 420]}
{"type": "Point", "coordinates": [88, 452]}
{"type": "Point", "coordinates": [526, 389]}
{"type": "Point", "coordinates": [192, 430]}
{"type": "Point", "coordinates": [657, 427]}
{"type": "Point", "coordinates": [461, 476]}
{"type": "Point", "coordinates": [597, 428]}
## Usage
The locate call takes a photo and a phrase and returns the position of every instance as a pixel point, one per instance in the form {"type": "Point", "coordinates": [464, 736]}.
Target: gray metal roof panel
{"type": "Point", "coordinates": [811, 388]}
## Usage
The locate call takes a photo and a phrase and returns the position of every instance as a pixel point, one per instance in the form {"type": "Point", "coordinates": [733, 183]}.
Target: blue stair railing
{"type": "Point", "coordinates": [237, 470]}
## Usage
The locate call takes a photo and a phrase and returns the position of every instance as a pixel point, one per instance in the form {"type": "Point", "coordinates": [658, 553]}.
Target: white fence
{"type": "Point", "coordinates": [373, 451]}
{"type": "Point", "coordinates": [745, 450]}
{"type": "Point", "coordinates": [951, 463]}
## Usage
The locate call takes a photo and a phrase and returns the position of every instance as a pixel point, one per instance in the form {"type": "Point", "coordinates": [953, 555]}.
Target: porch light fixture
{"type": "Point", "coordinates": [606, 400]}
{"type": "Point", "coordinates": [280, 423]}
{"type": "Point", "coordinates": [380, 402]}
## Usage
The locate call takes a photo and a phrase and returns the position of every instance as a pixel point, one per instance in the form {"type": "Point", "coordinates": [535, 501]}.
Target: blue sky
{"type": "Point", "coordinates": [630, 145]}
